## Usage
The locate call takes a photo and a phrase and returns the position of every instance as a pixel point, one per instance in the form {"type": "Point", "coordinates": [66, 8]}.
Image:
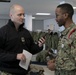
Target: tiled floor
{"type": "Point", "coordinates": [48, 72]}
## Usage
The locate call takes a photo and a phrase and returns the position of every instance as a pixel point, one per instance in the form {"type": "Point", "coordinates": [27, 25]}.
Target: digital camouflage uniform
{"type": "Point", "coordinates": [50, 43]}
{"type": "Point", "coordinates": [66, 58]}
{"type": "Point", "coordinates": [41, 56]}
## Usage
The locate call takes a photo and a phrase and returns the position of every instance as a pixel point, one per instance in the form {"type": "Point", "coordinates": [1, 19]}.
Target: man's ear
{"type": "Point", "coordinates": [66, 15]}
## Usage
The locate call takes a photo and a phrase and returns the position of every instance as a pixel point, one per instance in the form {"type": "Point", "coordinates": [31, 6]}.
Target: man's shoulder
{"type": "Point", "coordinates": [3, 27]}
{"type": "Point", "coordinates": [72, 31]}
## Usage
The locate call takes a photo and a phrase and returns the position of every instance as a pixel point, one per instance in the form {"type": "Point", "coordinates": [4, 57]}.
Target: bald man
{"type": "Point", "coordinates": [13, 39]}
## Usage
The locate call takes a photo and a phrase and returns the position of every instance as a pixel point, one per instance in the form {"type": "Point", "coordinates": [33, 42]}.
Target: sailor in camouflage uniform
{"type": "Point", "coordinates": [65, 62]}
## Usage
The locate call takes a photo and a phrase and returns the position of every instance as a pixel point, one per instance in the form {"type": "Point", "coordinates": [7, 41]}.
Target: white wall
{"type": "Point", "coordinates": [38, 25]}
{"type": "Point", "coordinates": [49, 22]}
{"type": "Point", "coordinates": [74, 18]}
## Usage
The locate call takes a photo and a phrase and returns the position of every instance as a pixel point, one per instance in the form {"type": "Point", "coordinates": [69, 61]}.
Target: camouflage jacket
{"type": "Point", "coordinates": [66, 57]}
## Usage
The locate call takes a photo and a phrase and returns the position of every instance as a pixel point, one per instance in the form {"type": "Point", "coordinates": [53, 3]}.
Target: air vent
{"type": "Point", "coordinates": [5, 0]}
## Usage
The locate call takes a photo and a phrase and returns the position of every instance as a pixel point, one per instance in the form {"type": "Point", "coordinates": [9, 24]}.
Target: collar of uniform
{"type": "Point", "coordinates": [12, 24]}
{"type": "Point", "coordinates": [67, 29]}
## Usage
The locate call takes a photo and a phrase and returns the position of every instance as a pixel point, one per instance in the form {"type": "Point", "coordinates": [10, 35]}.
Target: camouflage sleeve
{"type": "Point", "coordinates": [73, 45]}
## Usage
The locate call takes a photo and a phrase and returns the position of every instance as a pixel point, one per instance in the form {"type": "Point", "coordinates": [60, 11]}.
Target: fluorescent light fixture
{"type": "Point", "coordinates": [32, 17]}
{"type": "Point", "coordinates": [74, 7]}
{"type": "Point", "coordinates": [62, 2]}
{"type": "Point", "coordinates": [43, 14]}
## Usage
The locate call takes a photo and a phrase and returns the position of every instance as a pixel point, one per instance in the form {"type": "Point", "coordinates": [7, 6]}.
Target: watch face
{"type": "Point", "coordinates": [5, 0]}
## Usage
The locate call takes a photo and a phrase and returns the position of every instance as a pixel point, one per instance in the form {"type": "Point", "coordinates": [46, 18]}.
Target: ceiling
{"type": "Point", "coordinates": [34, 6]}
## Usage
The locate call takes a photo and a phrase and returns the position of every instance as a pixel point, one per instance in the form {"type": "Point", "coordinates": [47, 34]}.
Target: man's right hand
{"type": "Point", "coordinates": [51, 64]}
{"type": "Point", "coordinates": [21, 57]}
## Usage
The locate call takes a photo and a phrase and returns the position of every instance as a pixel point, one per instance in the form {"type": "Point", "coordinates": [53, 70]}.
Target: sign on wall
{"type": "Point", "coordinates": [51, 27]}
